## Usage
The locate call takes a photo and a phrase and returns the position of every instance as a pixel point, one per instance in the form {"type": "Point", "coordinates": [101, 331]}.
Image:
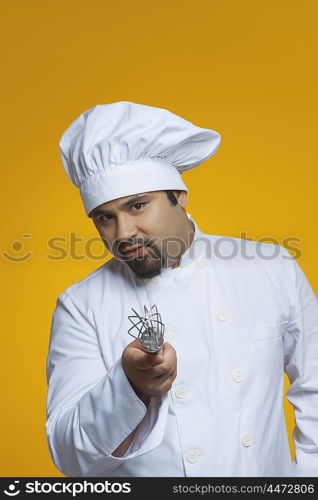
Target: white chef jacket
{"type": "Point", "coordinates": [238, 317]}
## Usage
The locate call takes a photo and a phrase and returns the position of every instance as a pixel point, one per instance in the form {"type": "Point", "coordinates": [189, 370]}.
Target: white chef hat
{"type": "Point", "coordinates": [124, 148]}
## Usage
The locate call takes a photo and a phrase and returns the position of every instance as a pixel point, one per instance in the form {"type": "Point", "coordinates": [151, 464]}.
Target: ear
{"type": "Point", "coordinates": [182, 197]}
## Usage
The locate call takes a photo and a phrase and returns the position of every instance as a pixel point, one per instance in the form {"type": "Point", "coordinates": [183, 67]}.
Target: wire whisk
{"type": "Point", "coordinates": [150, 329]}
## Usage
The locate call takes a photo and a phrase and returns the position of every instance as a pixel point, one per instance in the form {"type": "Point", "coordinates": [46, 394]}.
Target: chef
{"type": "Point", "coordinates": [210, 402]}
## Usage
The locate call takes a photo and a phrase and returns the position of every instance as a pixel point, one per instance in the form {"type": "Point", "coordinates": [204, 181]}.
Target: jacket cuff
{"type": "Point", "coordinates": [114, 401]}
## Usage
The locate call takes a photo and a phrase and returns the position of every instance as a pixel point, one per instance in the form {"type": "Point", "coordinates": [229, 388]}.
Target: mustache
{"type": "Point", "coordinates": [140, 242]}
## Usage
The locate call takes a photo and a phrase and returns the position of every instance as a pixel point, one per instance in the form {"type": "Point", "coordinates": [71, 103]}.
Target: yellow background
{"type": "Point", "coordinates": [247, 69]}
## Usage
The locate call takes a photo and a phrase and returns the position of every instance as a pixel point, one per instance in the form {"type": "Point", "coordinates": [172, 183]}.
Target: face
{"type": "Point", "coordinates": [149, 221]}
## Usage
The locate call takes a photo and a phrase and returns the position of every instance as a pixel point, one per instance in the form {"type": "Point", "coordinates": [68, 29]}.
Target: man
{"type": "Point", "coordinates": [210, 403]}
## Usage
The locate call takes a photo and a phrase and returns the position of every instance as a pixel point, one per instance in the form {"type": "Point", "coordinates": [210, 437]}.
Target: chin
{"type": "Point", "coordinates": [144, 272]}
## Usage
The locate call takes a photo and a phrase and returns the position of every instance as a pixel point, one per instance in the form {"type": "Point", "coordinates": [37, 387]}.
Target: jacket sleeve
{"type": "Point", "coordinates": [90, 410]}
{"type": "Point", "coordinates": [301, 366]}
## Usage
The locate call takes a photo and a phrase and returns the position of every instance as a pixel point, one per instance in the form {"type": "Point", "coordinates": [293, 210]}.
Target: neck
{"type": "Point", "coordinates": [188, 238]}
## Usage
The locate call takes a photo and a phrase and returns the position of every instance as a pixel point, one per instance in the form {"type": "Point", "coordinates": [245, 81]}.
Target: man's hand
{"type": "Point", "coordinates": [149, 374]}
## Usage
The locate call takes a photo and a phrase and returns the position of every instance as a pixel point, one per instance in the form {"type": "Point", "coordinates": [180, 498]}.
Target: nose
{"type": "Point", "coordinates": [126, 229]}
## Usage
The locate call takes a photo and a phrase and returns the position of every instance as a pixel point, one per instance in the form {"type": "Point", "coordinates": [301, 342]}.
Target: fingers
{"type": "Point", "coordinates": [150, 374]}
{"type": "Point", "coordinates": [169, 352]}
{"type": "Point", "coordinates": [165, 358]}
{"type": "Point", "coordinates": [168, 366]}
{"type": "Point", "coordinates": [136, 344]}
{"type": "Point", "coordinates": [162, 375]}
{"type": "Point", "coordinates": [143, 360]}
{"type": "Point", "coordinates": [161, 385]}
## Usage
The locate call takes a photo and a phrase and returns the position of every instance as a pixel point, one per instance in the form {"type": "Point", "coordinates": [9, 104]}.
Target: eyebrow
{"type": "Point", "coordinates": [126, 204]}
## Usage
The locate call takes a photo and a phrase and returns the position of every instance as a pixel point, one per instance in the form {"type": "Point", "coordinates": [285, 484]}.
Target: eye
{"type": "Point", "coordinates": [138, 205]}
{"type": "Point", "coordinates": [104, 220]}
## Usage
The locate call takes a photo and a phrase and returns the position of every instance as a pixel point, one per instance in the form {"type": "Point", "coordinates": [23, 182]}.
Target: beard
{"type": "Point", "coordinates": [147, 265]}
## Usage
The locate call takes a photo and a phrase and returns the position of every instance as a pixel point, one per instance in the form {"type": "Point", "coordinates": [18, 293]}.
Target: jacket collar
{"type": "Point", "coordinates": [193, 252]}
{"type": "Point", "coordinates": [195, 249]}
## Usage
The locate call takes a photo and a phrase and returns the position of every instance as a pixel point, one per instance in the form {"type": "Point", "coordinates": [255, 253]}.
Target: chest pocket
{"type": "Point", "coordinates": [267, 331]}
